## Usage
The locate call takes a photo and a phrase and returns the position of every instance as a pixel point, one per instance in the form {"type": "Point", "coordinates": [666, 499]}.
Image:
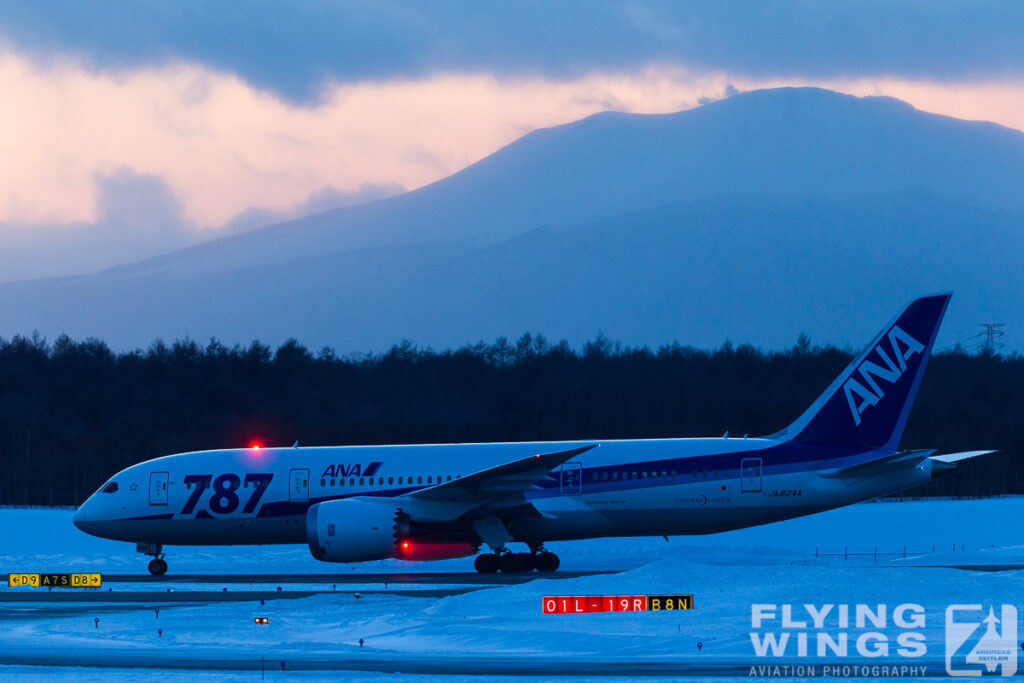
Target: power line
{"type": "Point", "coordinates": [993, 331]}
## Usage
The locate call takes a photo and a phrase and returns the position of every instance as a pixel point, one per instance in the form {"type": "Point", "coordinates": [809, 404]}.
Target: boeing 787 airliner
{"type": "Point", "coordinates": [429, 502]}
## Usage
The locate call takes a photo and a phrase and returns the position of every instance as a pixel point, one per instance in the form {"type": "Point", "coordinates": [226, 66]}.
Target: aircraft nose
{"type": "Point", "coordinates": [80, 518]}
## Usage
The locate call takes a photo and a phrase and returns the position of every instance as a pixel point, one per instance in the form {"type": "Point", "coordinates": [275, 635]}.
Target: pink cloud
{"type": "Point", "coordinates": [223, 147]}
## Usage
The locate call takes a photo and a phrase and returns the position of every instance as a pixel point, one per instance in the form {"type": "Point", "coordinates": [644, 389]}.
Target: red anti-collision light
{"type": "Point", "coordinates": [405, 545]}
{"type": "Point", "coordinates": [256, 446]}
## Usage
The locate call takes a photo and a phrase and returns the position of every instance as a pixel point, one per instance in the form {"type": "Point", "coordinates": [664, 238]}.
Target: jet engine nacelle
{"type": "Point", "coordinates": [353, 529]}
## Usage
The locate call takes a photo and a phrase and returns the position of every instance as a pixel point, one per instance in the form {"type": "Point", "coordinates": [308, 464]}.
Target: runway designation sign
{"type": "Point", "coordinates": [583, 604]}
{"type": "Point", "coordinates": [54, 580]}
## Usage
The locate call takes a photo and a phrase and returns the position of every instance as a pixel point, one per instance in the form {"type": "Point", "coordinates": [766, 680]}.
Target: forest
{"type": "Point", "coordinates": [73, 413]}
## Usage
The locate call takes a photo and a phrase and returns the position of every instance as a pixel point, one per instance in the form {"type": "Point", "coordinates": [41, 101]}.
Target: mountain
{"type": "Point", "coordinates": [753, 218]}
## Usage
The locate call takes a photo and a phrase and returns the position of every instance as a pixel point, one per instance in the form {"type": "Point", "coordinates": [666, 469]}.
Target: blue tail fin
{"type": "Point", "coordinates": [869, 403]}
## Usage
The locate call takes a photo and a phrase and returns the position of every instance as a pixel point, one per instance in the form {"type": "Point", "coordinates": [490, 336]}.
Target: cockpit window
{"type": "Point", "coordinates": [110, 488]}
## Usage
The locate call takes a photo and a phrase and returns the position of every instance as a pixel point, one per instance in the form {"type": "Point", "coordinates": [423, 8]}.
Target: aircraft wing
{"type": "Point", "coordinates": [502, 486]}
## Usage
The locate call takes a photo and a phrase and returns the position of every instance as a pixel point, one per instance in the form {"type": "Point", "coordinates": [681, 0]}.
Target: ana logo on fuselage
{"type": "Point", "coordinates": [357, 470]}
{"type": "Point", "coordinates": [902, 347]}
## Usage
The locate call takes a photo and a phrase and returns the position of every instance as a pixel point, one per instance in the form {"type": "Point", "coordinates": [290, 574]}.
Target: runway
{"type": "Point", "coordinates": [252, 587]}
{"type": "Point", "coordinates": [471, 578]}
{"type": "Point", "coordinates": [448, 578]}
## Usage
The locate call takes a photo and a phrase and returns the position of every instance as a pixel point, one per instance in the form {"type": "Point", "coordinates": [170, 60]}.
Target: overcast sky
{"type": "Point", "coordinates": [132, 128]}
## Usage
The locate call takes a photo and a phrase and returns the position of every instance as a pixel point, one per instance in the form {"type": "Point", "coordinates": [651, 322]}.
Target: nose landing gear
{"type": "Point", "coordinates": [157, 566]}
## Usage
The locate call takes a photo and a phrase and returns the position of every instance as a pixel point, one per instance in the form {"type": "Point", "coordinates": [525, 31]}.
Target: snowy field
{"type": "Point", "coordinates": [501, 630]}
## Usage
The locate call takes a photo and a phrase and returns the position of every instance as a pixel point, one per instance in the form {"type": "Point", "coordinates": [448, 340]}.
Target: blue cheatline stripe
{"type": "Point", "coordinates": [785, 457]}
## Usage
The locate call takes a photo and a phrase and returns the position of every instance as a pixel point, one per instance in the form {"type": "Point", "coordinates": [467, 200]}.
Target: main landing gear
{"type": "Point", "coordinates": [514, 563]}
{"type": "Point", "coordinates": [157, 566]}
{"type": "Point", "coordinates": [493, 532]}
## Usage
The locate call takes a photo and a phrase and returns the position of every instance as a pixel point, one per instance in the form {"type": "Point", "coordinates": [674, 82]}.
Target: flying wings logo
{"type": "Point", "coordinates": [977, 644]}
{"type": "Point", "coordinates": [866, 392]}
{"type": "Point", "coordinates": [356, 470]}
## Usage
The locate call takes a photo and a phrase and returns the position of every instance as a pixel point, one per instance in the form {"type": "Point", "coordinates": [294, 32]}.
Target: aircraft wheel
{"type": "Point", "coordinates": [546, 562]}
{"type": "Point", "coordinates": [157, 567]}
{"type": "Point", "coordinates": [509, 563]}
{"type": "Point", "coordinates": [486, 563]}
{"type": "Point", "coordinates": [527, 562]}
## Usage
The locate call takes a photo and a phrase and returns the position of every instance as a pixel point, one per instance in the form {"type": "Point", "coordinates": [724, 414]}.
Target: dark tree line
{"type": "Point", "coordinates": [72, 413]}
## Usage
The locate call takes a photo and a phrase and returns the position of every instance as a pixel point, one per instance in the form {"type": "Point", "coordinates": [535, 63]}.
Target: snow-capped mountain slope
{"type": "Point", "coordinates": [753, 218]}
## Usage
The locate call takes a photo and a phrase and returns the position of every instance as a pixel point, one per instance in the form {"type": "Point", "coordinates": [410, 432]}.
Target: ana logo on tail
{"type": "Point", "coordinates": [902, 347]}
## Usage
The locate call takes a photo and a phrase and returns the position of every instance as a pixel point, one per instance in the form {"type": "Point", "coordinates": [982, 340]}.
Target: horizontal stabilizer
{"type": "Point", "coordinates": [946, 463]}
{"type": "Point", "coordinates": [878, 466]}
{"type": "Point", "coordinates": [957, 457]}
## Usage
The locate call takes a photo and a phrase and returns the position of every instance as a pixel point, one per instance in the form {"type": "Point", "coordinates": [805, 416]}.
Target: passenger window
{"type": "Point", "coordinates": [449, 477]}
{"type": "Point", "coordinates": [352, 481]}
{"type": "Point", "coordinates": [428, 479]}
{"type": "Point", "coordinates": [399, 480]}
{"type": "Point", "coordinates": [391, 480]}
{"type": "Point", "coordinates": [361, 481]}
{"type": "Point", "coordinates": [593, 477]}
{"type": "Point", "coordinates": [332, 482]}
{"type": "Point", "coordinates": [323, 482]}
{"type": "Point", "coordinates": [643, 475]}
{"type": "Point", "coordinates": [419, 480]}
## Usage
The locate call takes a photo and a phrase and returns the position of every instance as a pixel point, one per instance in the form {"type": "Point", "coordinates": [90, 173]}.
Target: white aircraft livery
{"type": "Point", "coordinates": [428, 502]}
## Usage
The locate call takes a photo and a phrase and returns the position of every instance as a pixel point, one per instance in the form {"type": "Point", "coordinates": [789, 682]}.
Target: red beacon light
{"type": "Point", "coordinates": [256, 445]}
{"type": "Point", "coordinates": [405, 545]}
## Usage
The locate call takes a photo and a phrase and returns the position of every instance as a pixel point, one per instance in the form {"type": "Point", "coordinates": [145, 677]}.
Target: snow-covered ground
{"type": "Point", "coordinates": [501, 629]}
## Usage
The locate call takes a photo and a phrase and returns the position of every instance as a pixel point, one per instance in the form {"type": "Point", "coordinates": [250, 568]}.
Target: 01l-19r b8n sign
{"type": "Point", "coordinates": [431, 502]}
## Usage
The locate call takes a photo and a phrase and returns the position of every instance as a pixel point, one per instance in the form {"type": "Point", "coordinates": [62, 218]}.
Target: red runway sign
{"type": "Point", "coordinates": [585, 604]}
